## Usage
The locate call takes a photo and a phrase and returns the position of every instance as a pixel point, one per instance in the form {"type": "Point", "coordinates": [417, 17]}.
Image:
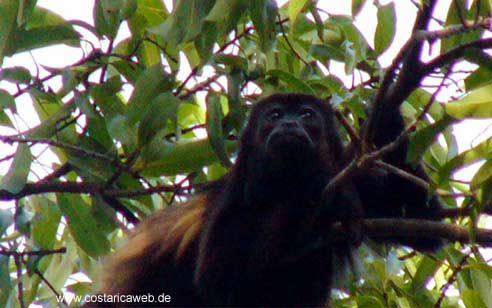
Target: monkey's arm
{"type": "Point", "coordinates": [385, 194]}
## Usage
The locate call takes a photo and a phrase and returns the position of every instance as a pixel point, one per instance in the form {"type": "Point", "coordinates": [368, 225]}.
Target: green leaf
{"type": "Point", "coordinates": [162, 108]}
{"type": "Point", "coordinates": [23, 40]}
{"type": "Point", "coordinates": [153, 11]}
{"type": "Point", "coordinates": [119, 129]}
{"type": "Point", "coordinates": [326, 52]}
{"type": "Point", "coordinates": [455, 257]}
{"type": "Point", "coordinates": [41, 16]}
{"type": "Point", "coordinates": [104, 216]}
{"type": "Point", "coordinates": [263, 14]}
{"type": "Point", "coordinates": [23, 220]}
{"type": "Point", "coordinates": [215, 172]}
{"type": "Point", "coordinates": [51, 122]}
{"type": "Point", "coordinates": [149, 84]}
{"type": "Point", "coordinates": [128, 69]}
{"type": "Point", "coordinates": [45, 222]}
{"type": "Point", "coordinates": [477, 153]}
{"type": "Point", "coordinates": [185, 24]}
{"type": "Point", "coordinates": [482, 175]}
{"type": "Point", "coordinates": [89, 168]}
{"type": "Point", "coordinates": [184, 157]}
{"type": "Point", "coordinates": [107, 17]}
{"type": "Point", "coordinates": [357, 5]}
{"type": "Point", "coordinates": [351, 34]}
{"type": "Point", "coordinates": [107, 98]}
{"type": "Point", "coordinates": [425, 271]}
{"type": "Point", "coordinates": [191, 54]}
{"type": "Point", "coordinates": [456, 12]}
{"type": "Point", "coordinates": [7, 101]}
{"type": "Point", "coordinates": [481, 283]}
{"type": "Point", "coordinates": [479, 57]}
{"type": "Point", "coordinates": [5, 120]}
{"type": "Point", "coordinates": [386, 27]}
{"type": "Point", "coordinates": [125, 181]}
{"type": "Point", "coordinates": [214, 128]}
{"type": "Point", "coordinates": [477, 104]}
{"type": "Point", "coordinates": [471, 299]}
{"type": "Point", "coordinates": [350, 57]}
{"type": "Point", "coordinates": [226, 14]}
{"type": "Point", "coordinates": [60, 267]}
{"type": "Point", "coordinates": [204, 43]}
{"type": "Point", "coordinates": [369, 301]}
{"type": "Point", "coordinates": [16, 177]}
{"type": "Point", "coordinates": [82, 225]}
{"type": "Point", "coordinates": [480, 77]}
{"type": "Point", "coordinates": [8, 11]}
{"type": "Point", "coordinates": [424, 138]}
{"type": "Point", "coordinates": [149, 13]}
{"type": "Point", "coordinates": [295, 8]}
{"type": "Point", "coordinates": [5, 283]}
{"type": "Point", "coordinates": [6, 220]}
{"type": "Point", "coordinates": [232, 61]}
{"type": "Point", "coordinates": [80, 288]}
{"type": "Point", "coordinates": [236, 112]}
{"type": "Point", "coordinates": [26, 11]}
{"type": "Point", "coordinates": [16, 74]}
{"type": "Point", "coordinates": [96, 124]}
{"type": "Point", "coordinates": [294, 84]}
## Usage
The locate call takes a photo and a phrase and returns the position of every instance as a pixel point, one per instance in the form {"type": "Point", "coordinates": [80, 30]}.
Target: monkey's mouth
{"type": "Point", "coordinates": [289, 144]}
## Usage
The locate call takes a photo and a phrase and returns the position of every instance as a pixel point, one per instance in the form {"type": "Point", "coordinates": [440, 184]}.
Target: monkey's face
{"type": "Point", "coordinates": [290, 132]}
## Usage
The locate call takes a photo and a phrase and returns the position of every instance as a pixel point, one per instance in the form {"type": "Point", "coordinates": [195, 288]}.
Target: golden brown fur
{"type": "Point", "coordinates": [161, 243]}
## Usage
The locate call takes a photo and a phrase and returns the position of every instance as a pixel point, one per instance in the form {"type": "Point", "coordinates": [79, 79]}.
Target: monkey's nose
{"type": "Point", "coordinates": [290, 124]}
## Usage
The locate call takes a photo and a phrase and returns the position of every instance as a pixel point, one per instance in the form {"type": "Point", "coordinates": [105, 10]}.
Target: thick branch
{"type": "Point", "coordinates": [391, 92]}
{"type": "Point", "coordinates": [418, 229]}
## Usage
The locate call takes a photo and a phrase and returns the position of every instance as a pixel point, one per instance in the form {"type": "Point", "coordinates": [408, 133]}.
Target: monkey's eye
{"type": "Point", "coordinates": [307, 114]}
{"type": "Point", "coordinates": [274, 115]}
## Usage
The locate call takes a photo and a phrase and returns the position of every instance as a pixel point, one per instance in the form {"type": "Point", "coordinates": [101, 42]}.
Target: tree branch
{"type": "Point", "coordinates": [84, 188]}
{"type": "Point", "coordinates": [455, 54]}
{"type": "Point", "coordinates": [417, 228]}
{"type": "Point", "coordinates": [451, 30]}
{"type": "Point", "coordinates": [39, 253]}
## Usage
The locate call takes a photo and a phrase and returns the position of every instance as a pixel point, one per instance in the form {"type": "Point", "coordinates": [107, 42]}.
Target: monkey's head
{"type": "Point", "coordinates": [291, 134]}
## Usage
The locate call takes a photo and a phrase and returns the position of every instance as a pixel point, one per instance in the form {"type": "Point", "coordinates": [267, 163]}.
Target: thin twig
{"type": "Point", "coordinates": [83, 188]}
{"type": "Point", "coordinates": [20, 288]}
{"type": "Point", "coordinates": [38, 253]}
{"type": "Point", "coordinates": [452, 278]}
{"type": "Point", "coordinates": [298, 56]}
{"type": "Point", "coordinates": [402, 173]}
{"type": "Point", "coordinates": [354, 136]}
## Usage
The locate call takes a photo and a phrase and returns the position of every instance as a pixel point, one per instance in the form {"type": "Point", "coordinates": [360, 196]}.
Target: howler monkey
{"type": "Point", "coordinates": [262, 237]}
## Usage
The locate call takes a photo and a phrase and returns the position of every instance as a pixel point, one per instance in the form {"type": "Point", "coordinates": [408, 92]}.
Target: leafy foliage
{"type": "Point", "coordinates": [126, 133]}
